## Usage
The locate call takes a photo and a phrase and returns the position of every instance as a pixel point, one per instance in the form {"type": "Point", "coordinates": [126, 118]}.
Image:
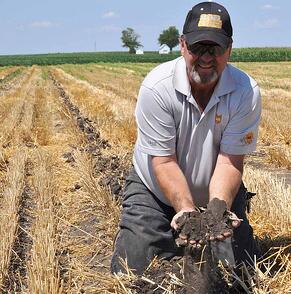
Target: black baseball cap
{"type": "Point", "coordinates": [208, 21]}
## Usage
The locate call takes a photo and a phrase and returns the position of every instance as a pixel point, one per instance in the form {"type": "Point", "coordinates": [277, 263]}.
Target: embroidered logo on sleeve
{"type": "Point", "coordinates": [248, 138]}
{"type": "Point", "coordinates": [210, 21]}
{"type": "Point", "coordinates": [218, 119]}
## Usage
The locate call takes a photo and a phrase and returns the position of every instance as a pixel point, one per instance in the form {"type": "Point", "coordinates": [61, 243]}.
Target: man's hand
{"type": "Point", "coordinates": [235, 221]}
{"type": "Point", "coordinates": [220, 220]}
{"type": "Point", "coordinates": [174, 224]}
{"type": "Point", "coordinates": [196, 228]}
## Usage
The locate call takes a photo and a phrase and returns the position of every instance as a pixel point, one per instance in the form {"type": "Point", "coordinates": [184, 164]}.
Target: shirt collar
{"type": "Point", "coordinates": [180, 78]}
{"type": "Point", "coordinates": [225, 85]}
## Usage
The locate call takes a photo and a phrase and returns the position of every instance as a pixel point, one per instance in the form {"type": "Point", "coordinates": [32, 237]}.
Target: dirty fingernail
{"type": "Point", "coordinates": [182, 236]}
{"type": "Point", "coordinates": [227, 234]}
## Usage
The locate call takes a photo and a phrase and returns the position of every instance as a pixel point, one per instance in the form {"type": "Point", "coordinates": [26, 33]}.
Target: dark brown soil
{"type": "Point", "coordinates": [17, 273]}
{"type": "Point", "coordinates": [198, 270]}
{"type": "Point", "coordinates": [108, 169]}
{"type": "Point", "coordinates": [183, 275]}
{"type": "Point", "coordinates": [201, 226]}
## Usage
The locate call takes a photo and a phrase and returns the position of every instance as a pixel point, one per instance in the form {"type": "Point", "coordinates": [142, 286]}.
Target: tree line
{"type": "Point", "coordinates": [130, 39]}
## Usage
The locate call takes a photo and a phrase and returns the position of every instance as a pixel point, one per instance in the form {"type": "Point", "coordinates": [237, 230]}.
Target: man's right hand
{"type": "Point", "coordinates": [178, 222]}
{"type": "Point", "coordinates": [197, 227]}
{"type": "Point", "coordinates": [174, 224]}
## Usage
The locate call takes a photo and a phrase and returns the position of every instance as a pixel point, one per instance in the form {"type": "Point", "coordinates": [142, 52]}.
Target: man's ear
{"type": "Point", "coordinates": [182, 45]}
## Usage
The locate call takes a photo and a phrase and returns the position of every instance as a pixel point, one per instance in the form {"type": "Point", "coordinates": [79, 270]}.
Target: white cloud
{"type": "Point", "coordinates": [109, 14]}
{"type": "Point", "coordinates": [267, 24]}
{"type": "Point", "coordinates": [269, 7]}
{"type": "Point", "coordinates": [42, 24]}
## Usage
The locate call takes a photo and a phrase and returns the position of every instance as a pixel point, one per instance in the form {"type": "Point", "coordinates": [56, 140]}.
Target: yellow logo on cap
{"type": "Point", "coordinates": [249, 137]}
{"type": "Point", "coordinates": [210, 21]}
{"type": "Point", "coordinates": [218, 118]}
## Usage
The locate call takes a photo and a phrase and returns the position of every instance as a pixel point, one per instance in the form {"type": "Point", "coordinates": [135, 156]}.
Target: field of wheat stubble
{"type": "Point", "coordinates": [66, 140]}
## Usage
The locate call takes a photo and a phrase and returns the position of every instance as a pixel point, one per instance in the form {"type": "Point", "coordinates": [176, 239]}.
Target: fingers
{"type": "Point", "coordinates": [227, 234]}
{"type": "Point", "coordinates": [174, 223]}
{"type": "Point", "coordinates": [223, 236]}
{"type": "Point", "coordinates": [235, 221]}
{"type": "Point", "coordinates": [196, 243]}
{"type": "Point", "coordinates": [181, 242]}
{"type": "Point", "coordinates": [184, 241]}
{"type": "Point", "coordinates": [220, 237]}
{"type": "Point", "coordinates": [183, 237]}
{"type": "Point", "coordinates": [195, 238]}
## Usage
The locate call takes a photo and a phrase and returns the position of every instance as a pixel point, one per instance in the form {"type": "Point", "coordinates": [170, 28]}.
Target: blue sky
{"type": "Point", "coordinates": [35, 26]}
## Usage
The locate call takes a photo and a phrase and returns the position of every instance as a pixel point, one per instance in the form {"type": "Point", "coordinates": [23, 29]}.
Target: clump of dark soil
{"type": "Point", "coordinates": [198, 270]}
{"type": "Point", "coordinates": [201, 226]}
{"type": "Point", "coordinates": [161, 276]}
{"type": "Point", "coordinates": [183, 275]}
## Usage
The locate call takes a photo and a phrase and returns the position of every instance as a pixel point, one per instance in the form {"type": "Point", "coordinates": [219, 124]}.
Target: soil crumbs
{"type": "Point", "coordinates": [199, 270]}
{"type": "Point", "coordinates": [182, 275]}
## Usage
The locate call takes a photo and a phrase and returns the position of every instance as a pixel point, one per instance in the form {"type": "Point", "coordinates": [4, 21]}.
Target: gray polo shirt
{"type": "Point", "coordinates": [170, 122]}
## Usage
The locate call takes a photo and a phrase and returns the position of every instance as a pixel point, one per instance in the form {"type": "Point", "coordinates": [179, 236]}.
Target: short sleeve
{"type": "Point", "coordinates": [241, 133]}
{"type": "Point", "coordinates": [155, 122]}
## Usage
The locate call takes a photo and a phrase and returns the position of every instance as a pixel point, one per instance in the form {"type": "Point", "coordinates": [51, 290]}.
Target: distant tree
{"type": "Point", "coordinates": [130, 40]}
{"type": "Point", "coordinates": [170, 37]}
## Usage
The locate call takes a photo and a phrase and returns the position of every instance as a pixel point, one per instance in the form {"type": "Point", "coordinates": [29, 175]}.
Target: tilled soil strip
{"type": "Point", "coordinates": [16, 281]}
{"type": "Point", "coordinates": [108, 168]}
{"type": "Point", "coordinates": [11, 204]}
{"type": "Point", "coordinates": [10, 81]}
{"type": "Point", "coordinates": [108, 173]}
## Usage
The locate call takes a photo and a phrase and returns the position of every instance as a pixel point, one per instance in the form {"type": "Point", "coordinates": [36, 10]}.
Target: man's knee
{"type": "Point", "coordinates": [129, 252]}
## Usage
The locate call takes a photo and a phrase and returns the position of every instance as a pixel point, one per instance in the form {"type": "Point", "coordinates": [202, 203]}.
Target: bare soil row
{"type": "Point", "coordinates": [63, 205]}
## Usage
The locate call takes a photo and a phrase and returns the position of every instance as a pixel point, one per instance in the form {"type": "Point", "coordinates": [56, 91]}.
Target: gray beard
{"type": "Point", "coordinates": [203, 79]}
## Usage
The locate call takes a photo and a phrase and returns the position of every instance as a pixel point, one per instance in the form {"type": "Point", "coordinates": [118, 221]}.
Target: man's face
{"type": "Point", "coordinates": [204, 68]}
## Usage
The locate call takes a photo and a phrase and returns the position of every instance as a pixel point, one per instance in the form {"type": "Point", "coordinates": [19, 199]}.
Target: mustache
{"type": "Point", "coordinates": [203, 63]}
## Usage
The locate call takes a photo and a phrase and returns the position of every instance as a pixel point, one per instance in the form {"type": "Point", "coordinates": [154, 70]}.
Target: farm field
{"type": "Point", "coordinates": [67, 134]}
{"type": "Point", "coordinates": [260, 54]}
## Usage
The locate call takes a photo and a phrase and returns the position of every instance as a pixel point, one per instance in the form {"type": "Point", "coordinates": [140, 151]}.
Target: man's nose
{"type": "Point", "coordinates": [207, 57]}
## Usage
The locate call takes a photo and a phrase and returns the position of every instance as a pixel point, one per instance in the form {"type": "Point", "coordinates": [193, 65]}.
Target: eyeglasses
{"type": "Point", "coordinates": [200, 49]}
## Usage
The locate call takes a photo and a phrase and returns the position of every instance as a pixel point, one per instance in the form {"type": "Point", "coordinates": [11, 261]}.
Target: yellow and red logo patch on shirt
{"type": "Point", "coordinates": [248, 138]}
{"type": "Point", "coordinates": [218, 119]}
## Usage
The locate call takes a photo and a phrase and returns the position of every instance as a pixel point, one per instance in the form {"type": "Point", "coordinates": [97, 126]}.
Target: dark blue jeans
{"type": "Point", "coordinates": [145, 230]}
